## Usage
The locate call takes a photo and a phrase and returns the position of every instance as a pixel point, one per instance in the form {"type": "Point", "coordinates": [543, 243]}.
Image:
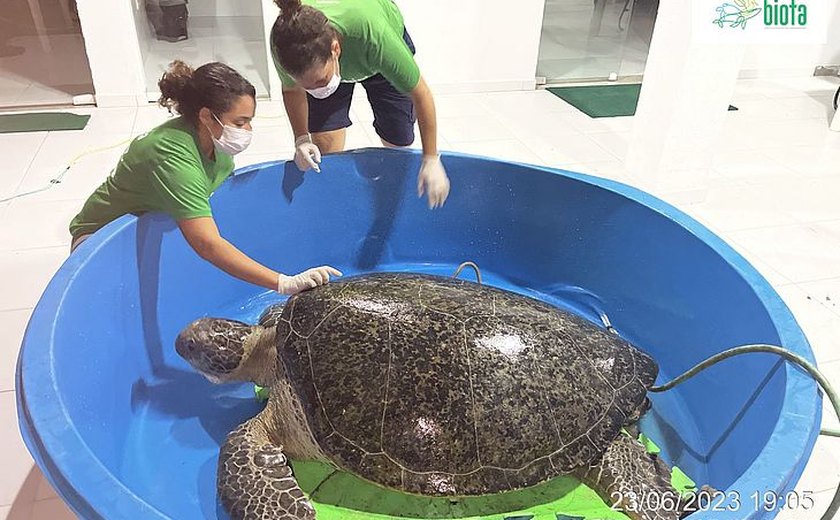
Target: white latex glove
{"type": "Point", "coordinates": [307, 154]}
{"type": "Point", "coordinates": [433, 181]}
{"type": "Point", "coordinates": [306, 280]}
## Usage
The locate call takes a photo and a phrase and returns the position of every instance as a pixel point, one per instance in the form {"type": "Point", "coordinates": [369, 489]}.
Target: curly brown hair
{"type": "Point", "coordinates": [213, 85]}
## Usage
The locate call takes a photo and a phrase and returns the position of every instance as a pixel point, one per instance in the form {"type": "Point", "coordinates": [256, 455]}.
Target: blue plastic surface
{"type": "Point", "coordinates": [124, 429]}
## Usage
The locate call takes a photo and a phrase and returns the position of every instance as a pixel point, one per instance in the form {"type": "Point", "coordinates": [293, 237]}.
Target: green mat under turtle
{"type": "Point", "coordinates": [603, 100]}
{"type": "Point", "coordinates": [41, 122]}
{"type": "Point", "coordinates": [338, 495]}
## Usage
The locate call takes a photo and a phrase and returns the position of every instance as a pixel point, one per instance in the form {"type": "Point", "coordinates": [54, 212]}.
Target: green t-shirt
{"type": "Point", "coordinates": [372, 42]}
{"type": "Point", "coordinates": [162, 170]}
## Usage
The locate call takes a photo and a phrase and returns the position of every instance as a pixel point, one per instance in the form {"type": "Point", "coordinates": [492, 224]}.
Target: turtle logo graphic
{"type": "Point", "coordinates": [737, 13]}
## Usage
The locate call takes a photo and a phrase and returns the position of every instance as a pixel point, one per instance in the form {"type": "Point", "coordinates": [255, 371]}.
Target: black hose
{"type": "Point", "coordinates": [793, 358]}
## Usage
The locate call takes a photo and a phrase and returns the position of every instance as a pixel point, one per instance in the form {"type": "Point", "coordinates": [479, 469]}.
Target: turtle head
{"type": "Point", "coordinates": [224, 350]}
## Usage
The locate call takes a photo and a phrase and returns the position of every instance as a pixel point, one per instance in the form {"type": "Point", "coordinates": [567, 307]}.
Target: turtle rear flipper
{"type": "Point", "coordinates": [636, 482]}
{"type": "Point", "coordinates": [254, 479]}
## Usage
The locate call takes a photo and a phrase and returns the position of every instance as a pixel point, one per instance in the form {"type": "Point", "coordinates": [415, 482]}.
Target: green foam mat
{"type": "Point", "coordinates": [603, 100]}
{"type": "Point", "coordinates": [41, 122]}
{"type": "Point", "coordinates": [337, 495]}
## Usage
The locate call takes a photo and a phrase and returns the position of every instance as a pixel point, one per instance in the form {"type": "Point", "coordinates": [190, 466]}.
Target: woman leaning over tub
{"type": "Point", "coordinates": [175, 167]}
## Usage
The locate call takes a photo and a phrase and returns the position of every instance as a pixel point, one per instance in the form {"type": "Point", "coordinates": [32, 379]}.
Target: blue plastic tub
{"type": "Point", "coordinates": [124, 429]}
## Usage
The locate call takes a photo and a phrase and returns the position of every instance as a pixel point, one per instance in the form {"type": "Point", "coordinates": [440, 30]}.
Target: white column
{"type": "Point", "coordinates": [682, 109]}
{"type": "Point", "coordinates": [113, 52]}
{"type": "Point", "coordinates": [269, 13]}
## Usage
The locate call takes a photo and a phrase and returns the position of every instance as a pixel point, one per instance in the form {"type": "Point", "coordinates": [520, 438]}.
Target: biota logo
{"type": "Point", "coordinates": [776, 14]}
{"type": "Point", "coordinates": [737, 14]}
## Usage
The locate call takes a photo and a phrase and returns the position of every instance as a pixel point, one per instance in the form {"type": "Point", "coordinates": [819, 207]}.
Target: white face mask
{"type": "Point", "coordinates": [233, 140]}
{"type": "Point", "coordinates": [328, 89]}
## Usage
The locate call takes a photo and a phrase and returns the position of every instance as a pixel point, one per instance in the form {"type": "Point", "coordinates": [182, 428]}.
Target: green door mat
{"type": "Point", "coordinates": [603, 100]}
{"type": "Point", "coordinates": [41, 122]}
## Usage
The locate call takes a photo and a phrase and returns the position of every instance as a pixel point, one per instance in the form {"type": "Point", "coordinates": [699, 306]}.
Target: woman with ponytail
{"type": "Point", "coordinates": [321, 48]}
{"type": "Point", "coordinates": [175, 167]}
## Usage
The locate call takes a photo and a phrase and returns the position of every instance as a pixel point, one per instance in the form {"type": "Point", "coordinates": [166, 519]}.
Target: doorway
{"type": "Point", "coordinates": [595, 40]}
{"type": "Point", "coordinates": [201, 31]}
{"type": "Point", "coordinates": [43, 61]}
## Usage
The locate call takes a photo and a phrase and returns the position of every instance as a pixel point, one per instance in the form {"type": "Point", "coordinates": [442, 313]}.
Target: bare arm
{"type": "Point", "coordinates": [297, 108]}
{"type": "Point", "coordinates": [307, 153]}
{"type": "Point", "coordinates": [203, 236]}
{"type": "Point", "coordinates": [432, 179]}
{"type": "Point", "coordinates": [424, 103]}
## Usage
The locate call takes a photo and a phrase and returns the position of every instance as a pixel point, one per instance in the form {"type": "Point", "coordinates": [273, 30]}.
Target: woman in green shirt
{"type": "Point", "coordinates": [321, 48]}
{"type": "Point", "coordinates": [175, 167]}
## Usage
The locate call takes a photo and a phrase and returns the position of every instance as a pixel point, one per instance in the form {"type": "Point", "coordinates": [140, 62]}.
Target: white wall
{"type": "Point", "coordinates": [224, 8]}
{"type": "Point", "coordinates": [270, 12]}
{"type": "Point", "coordinates": [795, 60]}
{"type": "Point", "coordinates": [141, 21]}
{"type": "Point", "coordinates": [466, 45]}
{"type": "Point", "coordinates": [113, 51]}
{"type": "Point", "coordinates": [475, 45]}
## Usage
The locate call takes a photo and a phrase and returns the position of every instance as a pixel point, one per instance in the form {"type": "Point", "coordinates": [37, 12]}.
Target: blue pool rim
{"type": "Point", "coordinates": [64, 457]}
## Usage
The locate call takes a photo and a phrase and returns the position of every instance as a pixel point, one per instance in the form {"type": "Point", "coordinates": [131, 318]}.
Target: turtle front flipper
{"type": "Point", "coordinates": [636, 482]}
{"type": "Point", "coordinates": [254, 479]}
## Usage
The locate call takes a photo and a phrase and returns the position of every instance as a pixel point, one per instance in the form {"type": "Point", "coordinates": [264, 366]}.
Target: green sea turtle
{"type": "Point", "coordinates": [432, 386]}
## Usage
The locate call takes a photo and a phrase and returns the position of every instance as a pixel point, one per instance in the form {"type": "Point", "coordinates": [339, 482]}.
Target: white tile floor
{"type": "Point", "coordinates": [772, 193]}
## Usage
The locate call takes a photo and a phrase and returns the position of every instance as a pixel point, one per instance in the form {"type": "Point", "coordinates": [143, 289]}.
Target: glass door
{"type": "Point", "coordinates": [201, 31]}
{"type": "Point", "coordinates": [595, 40]}
{"type": "Point", "coordinates": [642, 18]}
{"type": "Point", "coordinates": [42, 55]}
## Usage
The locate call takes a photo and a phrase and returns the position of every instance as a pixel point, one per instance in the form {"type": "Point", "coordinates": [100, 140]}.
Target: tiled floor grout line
{"type": "Point", "coordinates": [14, 192]}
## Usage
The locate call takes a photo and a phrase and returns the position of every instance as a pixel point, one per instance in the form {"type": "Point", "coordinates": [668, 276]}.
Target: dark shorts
{"type": "Point", "coordinates": [393, 111]}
